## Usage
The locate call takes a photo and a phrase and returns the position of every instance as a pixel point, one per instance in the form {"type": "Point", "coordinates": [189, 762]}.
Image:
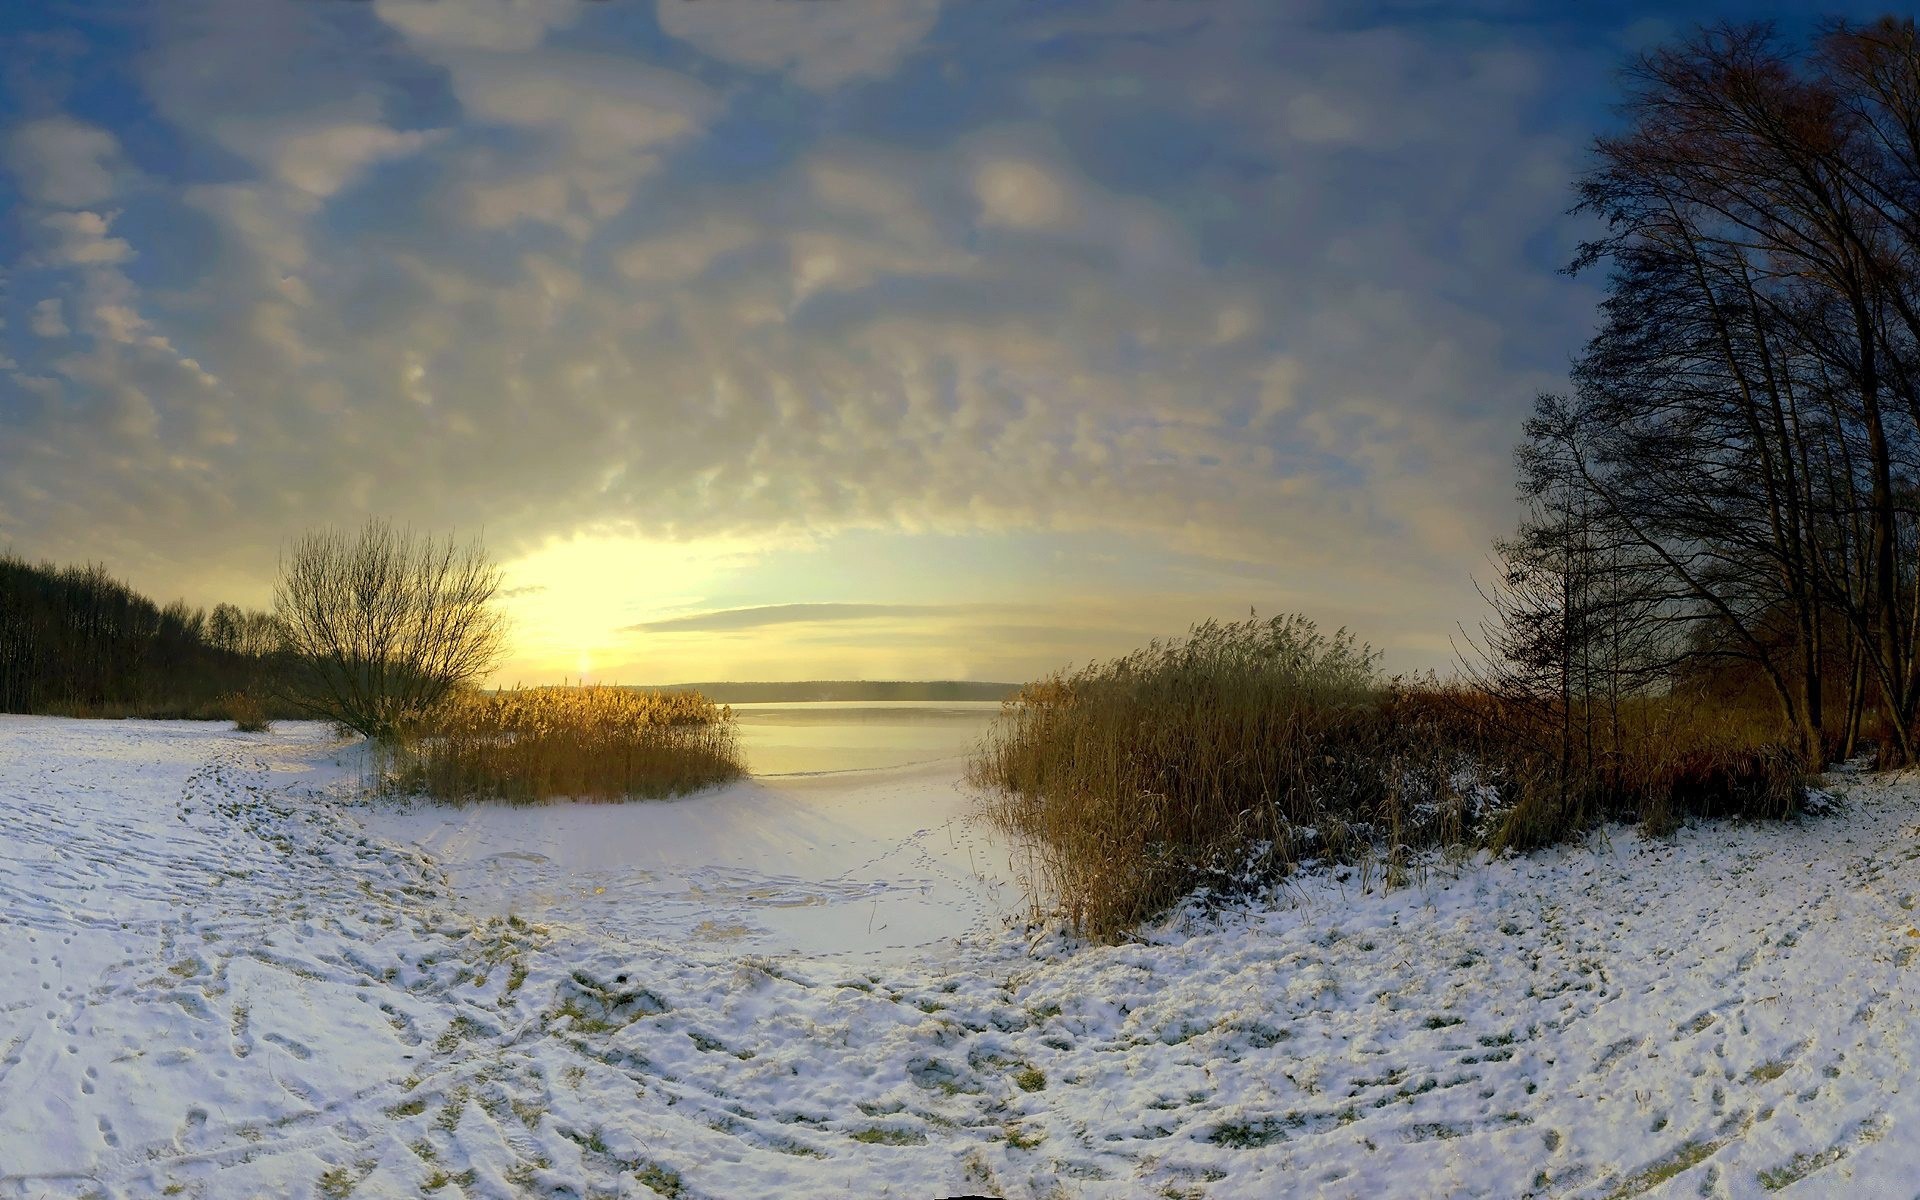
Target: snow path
{"type": "Point", "coordinates": [214, 981]}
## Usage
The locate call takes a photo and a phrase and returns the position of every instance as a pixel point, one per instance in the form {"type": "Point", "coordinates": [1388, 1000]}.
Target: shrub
{"type": "Point", "coordinates": [381, 628]}
{"type": "Point", "coordinates": [247, 713]}
{"type": "Point", "coordinates": [1224, 759]}
{"type": "Point", "coordinates": [1135, 779]}
{"type": "Point", "coordinates": [534, 744]}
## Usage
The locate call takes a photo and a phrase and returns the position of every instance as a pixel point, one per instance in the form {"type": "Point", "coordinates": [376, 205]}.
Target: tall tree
{"type": "Point", "coordinates": [1748, 412]}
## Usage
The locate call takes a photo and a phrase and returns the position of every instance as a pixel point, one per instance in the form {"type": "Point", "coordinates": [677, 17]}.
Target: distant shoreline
{"type": "Point", "coordinates": [843, 690]}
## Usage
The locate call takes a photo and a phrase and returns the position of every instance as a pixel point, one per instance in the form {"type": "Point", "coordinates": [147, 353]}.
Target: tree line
{"type": "Point", "coordinates": [75, 639]}
{"type": "Point", "coordinates": [372, 631]}
{"type": "Point", "coordinates": [1727, 500]}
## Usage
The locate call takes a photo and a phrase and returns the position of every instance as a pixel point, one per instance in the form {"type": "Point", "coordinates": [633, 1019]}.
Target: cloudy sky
{"type": "Point", "coordinates": [802, 338]}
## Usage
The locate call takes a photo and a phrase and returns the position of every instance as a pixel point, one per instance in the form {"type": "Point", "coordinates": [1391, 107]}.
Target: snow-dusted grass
{"type": "Point", "coordinates": [219, 978]}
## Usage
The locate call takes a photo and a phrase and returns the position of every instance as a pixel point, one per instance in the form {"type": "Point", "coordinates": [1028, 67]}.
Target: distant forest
{"type": "Point", "coordinates": [847, 689]}
{"type": "Point", "coordinates": [78, 642]}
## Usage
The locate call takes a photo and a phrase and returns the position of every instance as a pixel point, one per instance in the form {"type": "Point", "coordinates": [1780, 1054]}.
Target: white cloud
{"type": "Point", "coordinates": [685, 254]}
{"type": "Point", "coordinates": [80, 240]}
{"type": "Point", "coordinates": [1313, 117]}
{"type": "Point", "coordinates": [478, 24]}
{"type": "Point", "coordinates": [544, 196]}
{"type": "Point", "coordinates": [62, 162]}
{"type": "Point", "coordinates": [822, 45]}
{"type": "Point", "coordinates": [321, 161]}
{"type": "Point", "coordinates": [47, 320]}
{"type": "Point", "coordinates": [1022, 195]}
{"type": "Point", "coordinates": [598, 124]}
{"type": "Point", "coordinates": [834, 261]}
{"type": "Point", "coordinates": [604, 104]}
{"type": "Point", "coordinates": [881, 192]}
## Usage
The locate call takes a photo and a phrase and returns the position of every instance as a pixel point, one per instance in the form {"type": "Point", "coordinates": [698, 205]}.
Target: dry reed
{"type": "Point", "coordinates": [247, 713]}
{"type": "Point", "coordinates": [1222, 760]}
{"type": "Point", "coordinates": [531, 744]}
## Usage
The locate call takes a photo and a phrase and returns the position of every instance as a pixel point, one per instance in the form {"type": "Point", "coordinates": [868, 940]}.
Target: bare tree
{"type": "Point", "coordinates": [1749, 413]}
{"type": "Point", "coordinates": [1582, 616]}
{"type": "Point", "coordinates": [382, 626]}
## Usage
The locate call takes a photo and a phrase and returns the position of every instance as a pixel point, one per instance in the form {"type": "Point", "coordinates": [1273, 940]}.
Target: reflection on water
{"type": "Point", "coordinates": [786, 739]}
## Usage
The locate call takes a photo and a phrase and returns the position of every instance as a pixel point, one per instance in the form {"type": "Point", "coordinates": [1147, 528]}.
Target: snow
{"type": "Point", "coordinates": [862, 865]}
{"type": "Point", "coordinates": [221, 974]}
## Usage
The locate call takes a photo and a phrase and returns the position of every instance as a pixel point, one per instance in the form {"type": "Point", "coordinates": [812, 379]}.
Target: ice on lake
{"type": "Point", "coordinates": [854, 837]}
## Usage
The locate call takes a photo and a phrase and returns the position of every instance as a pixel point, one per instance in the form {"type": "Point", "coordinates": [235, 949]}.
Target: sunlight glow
{"type": "Point", "coordinates": [573, 600]}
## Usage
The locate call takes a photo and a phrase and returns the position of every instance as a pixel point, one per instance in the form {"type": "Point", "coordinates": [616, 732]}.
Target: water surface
{"type": "Point", "coordinates": [803, 738]}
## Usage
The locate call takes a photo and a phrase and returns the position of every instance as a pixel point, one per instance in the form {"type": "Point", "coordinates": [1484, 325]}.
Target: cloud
{"type": "Point", "coordinates": [1174, 275]}
{"type": "Point", "coordinates": [321, 161]}
{"type": "Point", "coordinates": [686, 253]}
{"type": "Point", "coordinates": [733, 619]}
{"type": "Point", "coordinates": [1022, 195]}
{"type": "Point", "coordinates": [478, 24]}
{"type": "Point", "coordinates": [79, 239]}
{"type": "Point", "coordinates": [47, 320]}
{"type": "Point", "coordinates": [62, 162]}
{"type": "Point", "coordinates": [601, 121]}
{"type": "Point", "coordinates": [821, 46]}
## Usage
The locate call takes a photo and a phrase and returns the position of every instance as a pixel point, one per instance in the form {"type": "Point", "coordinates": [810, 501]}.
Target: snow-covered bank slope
{"type": "Point", "coordinates": [216, 981]}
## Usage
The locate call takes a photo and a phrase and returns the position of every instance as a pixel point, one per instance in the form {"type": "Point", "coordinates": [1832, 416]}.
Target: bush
{"type": "Point", "coordinates": [535, 744]}
{"type": "Point", "coordinates": [247, 713]}
{"type": "Point", "coordinates": [381, 628]}
{"type": "Point", "coordinates": [1224, 759]}
{"type": "Point", "coordinates": [1136, 779]}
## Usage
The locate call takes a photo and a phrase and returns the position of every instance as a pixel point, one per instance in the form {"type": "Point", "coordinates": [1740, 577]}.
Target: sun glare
{"type": "Point", "coordinates": [573, 601]}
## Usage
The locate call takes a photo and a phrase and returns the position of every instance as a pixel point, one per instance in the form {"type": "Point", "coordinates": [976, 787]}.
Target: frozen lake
{"type": "Point", "coordinates": [805, 739]}
{"type": "Point", "coordinates": [853, 836]}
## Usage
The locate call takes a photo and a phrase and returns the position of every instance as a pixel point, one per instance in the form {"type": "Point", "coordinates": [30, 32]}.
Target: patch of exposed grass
{"type": "Point", "coordinates": [1021, 1139]}
{"type": "Point", "coordinates": [449, 1116]}
{"type": "Point", "coordinates": [528, 1112]}
{"type": "Point", "coordinates": [336, 1183]}
{"type": "Point", "coordinates": [881, 1135]}
{"type": "Point", "coordinates": [1248, 1135]}
{"type": "Point", "coordinates": [662, 1179]}
{"type": "Point", "coordinates": [1689, 1155]}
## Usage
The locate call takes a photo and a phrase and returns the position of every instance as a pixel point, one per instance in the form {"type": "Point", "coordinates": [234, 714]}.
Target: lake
{"type": "Point", "coordinates": [809, 738]}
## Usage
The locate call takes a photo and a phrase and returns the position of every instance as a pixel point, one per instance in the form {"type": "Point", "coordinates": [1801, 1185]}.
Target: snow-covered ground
{"type": "Point", "coordinates": [221, 976]}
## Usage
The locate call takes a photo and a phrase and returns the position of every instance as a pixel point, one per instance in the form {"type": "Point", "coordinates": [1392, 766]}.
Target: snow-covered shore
{"type": "Point", "coordinates": [220, 976]}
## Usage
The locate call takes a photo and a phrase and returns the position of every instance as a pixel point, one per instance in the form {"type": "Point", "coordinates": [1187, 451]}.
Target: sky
{"type": "Point", "coordinates": [789, 339]}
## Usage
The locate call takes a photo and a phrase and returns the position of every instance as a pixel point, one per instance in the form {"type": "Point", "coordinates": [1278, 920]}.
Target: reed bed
{"type": "Point", "coordinates": [600, 743]}
{"type": "Point", "coordinates": [1222, 760]}
{"type": "Point", "coordinates": [1134, 780]}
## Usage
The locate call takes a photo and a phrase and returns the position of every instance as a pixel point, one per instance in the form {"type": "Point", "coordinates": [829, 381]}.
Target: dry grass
{"type": "Point", "coordinates": [1675, 758]}
{"type": "Point", "coordinates": [532, 744]}
{"type": "Point", "coordinates": [1136, 779]}
{"type": "Point", "coordinates": [1224, 759]}
{"type": "Point", "coordinates": [172, 708]}
{"type": "Point", "coordinates": [247, 713]}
